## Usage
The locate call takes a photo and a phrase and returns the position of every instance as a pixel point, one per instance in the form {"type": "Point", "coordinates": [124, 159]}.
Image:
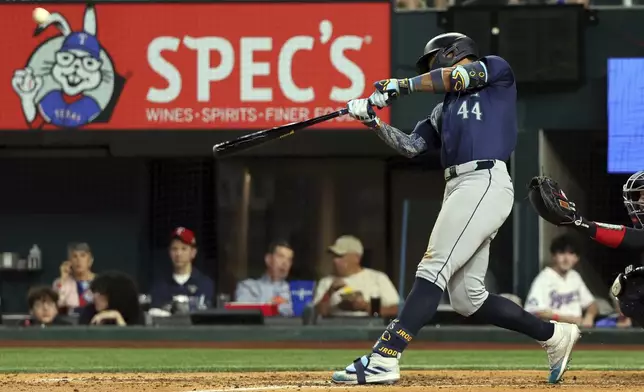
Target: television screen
{"type": "Point", "coordinates": [625, 115]}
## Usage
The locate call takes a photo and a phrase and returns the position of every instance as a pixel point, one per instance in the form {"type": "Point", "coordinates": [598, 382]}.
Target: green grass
{"type": "Point", "coordinates": [36, 360]}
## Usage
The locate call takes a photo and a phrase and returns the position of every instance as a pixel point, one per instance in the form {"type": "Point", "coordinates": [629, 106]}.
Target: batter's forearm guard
{"type": "Point", "coordinates": [468, 76]}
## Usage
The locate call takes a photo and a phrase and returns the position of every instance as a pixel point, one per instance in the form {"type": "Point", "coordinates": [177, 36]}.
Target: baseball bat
{"type": "Point", "coordinates": [255, 139]}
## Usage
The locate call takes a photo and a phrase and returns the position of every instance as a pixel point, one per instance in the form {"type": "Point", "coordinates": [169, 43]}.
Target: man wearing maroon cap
{"type": "Point", "coordinates": [186, 280]}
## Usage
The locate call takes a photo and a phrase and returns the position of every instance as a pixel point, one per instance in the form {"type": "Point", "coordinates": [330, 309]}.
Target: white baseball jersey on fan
{"type": "Point", "coordinates": [563, 295]}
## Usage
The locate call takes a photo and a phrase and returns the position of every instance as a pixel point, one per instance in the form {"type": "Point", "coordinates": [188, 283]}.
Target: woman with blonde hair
{"type": "Point", "coordinates": [73, 285]}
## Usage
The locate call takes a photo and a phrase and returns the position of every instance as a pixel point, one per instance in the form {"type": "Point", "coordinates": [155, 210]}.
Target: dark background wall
{"type": "Point", "coordinates": [52, 202]}
{"type": "Point", "coordinates": [125, 208]}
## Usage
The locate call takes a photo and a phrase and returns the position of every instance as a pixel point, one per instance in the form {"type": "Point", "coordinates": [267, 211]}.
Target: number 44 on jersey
{"type": "Point", "coordinates": [475, 110]}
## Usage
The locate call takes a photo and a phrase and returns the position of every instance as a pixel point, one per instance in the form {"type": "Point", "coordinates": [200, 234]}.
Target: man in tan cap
{"type": "Point", "coordinates": [348, 292]}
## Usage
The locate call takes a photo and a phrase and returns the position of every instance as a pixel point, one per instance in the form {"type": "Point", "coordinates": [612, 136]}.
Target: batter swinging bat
{"type": "Point", "coordinates": [255, 139]}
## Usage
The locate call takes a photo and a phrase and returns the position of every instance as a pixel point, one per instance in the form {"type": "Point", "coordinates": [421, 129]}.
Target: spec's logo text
{"type": "Point", "coordinates": [242, 54]}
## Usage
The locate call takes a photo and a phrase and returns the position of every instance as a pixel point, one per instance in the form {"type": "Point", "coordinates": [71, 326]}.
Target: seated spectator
{"type": "Point", "coordinates": [616, 319]}
{"type": "Point", "coordinates": [272, 287]}
{"type": "Point", "coordinates": [559, 293]}
{"type": "Point", "coordinates": [530, 2]}
{"type": "Point", "coordinates": [75, 278]}
{"type": "Point", "coordinates": [42, 302]}
{"type": "Point", "coordinates": [621, 320]}
{"type": "Point", "coordinates": [186, 280]}
{"type": "Point", "coordinates": [116, 302]}
{"type": "Point", "coordinates": [349, 290]}
{"type": "Point", "coordinates": [416, 4]}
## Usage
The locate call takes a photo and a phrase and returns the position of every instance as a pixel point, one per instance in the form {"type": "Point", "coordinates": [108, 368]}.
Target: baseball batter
{"type": "Point", "coordinates": [552, 204]}
{"type": "Point", "coordinates": [475, 128]}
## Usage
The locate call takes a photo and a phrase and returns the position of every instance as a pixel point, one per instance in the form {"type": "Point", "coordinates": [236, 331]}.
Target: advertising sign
{"type": "Point", "coordinates": [187, 65]}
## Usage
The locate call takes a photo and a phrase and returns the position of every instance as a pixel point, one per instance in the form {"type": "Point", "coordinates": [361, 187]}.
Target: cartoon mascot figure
{"type": "Point", "coordinates": [69, 80]}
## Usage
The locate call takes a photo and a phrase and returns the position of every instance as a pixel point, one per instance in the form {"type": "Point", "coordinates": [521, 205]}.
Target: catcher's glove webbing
{"type": "Point", "coordinates": [551, 203]}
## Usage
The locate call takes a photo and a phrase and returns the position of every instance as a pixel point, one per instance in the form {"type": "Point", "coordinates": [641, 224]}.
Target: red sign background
{"type": "Point", "coordinates": [137, 37]}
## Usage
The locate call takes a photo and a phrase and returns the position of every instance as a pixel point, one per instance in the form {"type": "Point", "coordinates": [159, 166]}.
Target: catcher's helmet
{"type": "Point", "coordinates": [632, 199]}
{"type": "Point", "coordinates": [449, 49]}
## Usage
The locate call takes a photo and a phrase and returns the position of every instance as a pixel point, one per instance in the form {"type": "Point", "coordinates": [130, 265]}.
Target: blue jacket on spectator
{"type": "Point", "coordinates": [199, 288]}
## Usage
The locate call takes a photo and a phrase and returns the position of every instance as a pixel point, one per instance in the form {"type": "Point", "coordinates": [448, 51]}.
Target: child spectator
{"type": "Point", "coordinates": [559, 293]}
{"type": "Point", "coordinates": [42, 306]}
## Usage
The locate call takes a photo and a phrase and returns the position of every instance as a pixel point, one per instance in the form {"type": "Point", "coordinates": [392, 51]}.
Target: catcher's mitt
{"type": "Point", "coordinates": [550, 202]}
{"type": "Point", "coordinates": [628, 288]}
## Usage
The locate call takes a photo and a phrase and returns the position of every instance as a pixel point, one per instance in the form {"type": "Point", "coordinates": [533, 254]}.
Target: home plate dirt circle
{"type": "Point", "coordinates": [426, 381]}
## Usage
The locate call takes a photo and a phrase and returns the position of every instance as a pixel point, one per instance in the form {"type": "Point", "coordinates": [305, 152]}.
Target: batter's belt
{"type": "Point", "coordinates": [458, 170]}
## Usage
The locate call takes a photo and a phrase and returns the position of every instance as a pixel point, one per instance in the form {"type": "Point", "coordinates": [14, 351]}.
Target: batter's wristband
{"type": "Point", "coordinates": [555, 317]}
{"type": "Point", "coordinates": [437, 80]}
{"type": "Point", "coordinates": [404, 86]}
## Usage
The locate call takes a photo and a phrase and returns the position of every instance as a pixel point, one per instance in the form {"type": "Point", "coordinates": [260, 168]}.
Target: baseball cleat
{"type": "Point", "coordinates": [559, 347]}
{"type": "Point", "coordinates": [372, 369]}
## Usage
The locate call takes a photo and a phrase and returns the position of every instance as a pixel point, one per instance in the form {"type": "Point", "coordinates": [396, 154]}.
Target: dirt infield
{"type": "Point", "coordinates": [425, 381]}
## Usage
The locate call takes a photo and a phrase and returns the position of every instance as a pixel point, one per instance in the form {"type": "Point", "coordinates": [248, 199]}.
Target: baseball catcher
{"type": "Point", "coordinates": [552, 204]}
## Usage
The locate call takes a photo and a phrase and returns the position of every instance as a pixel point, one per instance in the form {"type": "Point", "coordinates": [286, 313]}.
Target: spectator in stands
{"type": "Point", "coordinates": [526, 2]}
{"type": "Point", "coordinates": [272, 287]}
{"type": "Point", "coordinates": [116, 302]}
{"type": "Point", "coordinates": [617, 318]}
{"type": "Point", "coordinates": [410, 5]}
{"type": "Point", "coordinates": [186, 280]}
{"type": "Point", "coordinates": [42, 302]}
{"type": "Point", "coordinates": [348, 292]}
{"type": "Point", "coordinates": [438, 4]}
{"type": "Point", "coordinates": [559, 293]}
{"type": "Point", "coordinates": [585, 3]}
{"type": "Point", "coordinates": [75, 278]}
{"type": "Point", "coordinates": [621, 321]}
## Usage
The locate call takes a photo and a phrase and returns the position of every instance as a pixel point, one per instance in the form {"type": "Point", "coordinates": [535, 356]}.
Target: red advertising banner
{"type": "Point", "coordinates": [189, 65]}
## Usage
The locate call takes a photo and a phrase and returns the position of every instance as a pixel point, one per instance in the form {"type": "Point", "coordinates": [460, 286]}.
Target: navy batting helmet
{"type": "Point", "coordinates": [449, 49]}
